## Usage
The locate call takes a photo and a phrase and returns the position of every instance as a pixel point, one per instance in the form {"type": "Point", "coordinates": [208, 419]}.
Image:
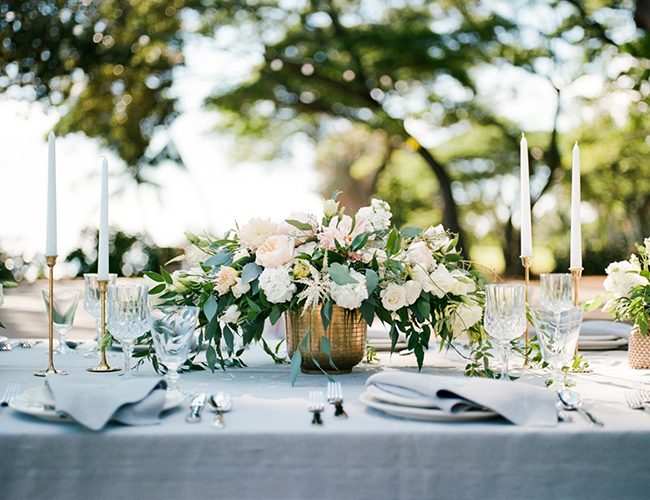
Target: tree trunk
{"type": "Point", "coordinates": [450, 212]}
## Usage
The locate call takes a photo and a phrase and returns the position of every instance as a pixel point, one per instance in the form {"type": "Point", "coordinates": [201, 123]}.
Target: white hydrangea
{"type": "Point", "coordinates": [377, 215]}
{"type": "Point", "coordinates": [623, 276]}
{"type": "Point", "coordinates": [276, 284]}
{"type": "Point", "coordinates": [350, 296]}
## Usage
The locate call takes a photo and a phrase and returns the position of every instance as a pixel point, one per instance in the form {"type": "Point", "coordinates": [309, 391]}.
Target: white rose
{"type": "Point", "coordinates": [350, 296]}
{"type": "Point", "coordinates": [465, 316]}
{"type": "Point", "coordinates": [2, 295]}
{"type": "Point", "coordinates": [368, 254]}
{"type": "Point", "coordinates": [443, 281]}
{"type": "Point", "coordinates": [276, 284]}
{"type": "Point", "coordinates": [413, 291]}
{"type": "Point", "coordinates": [330, 208]}
{"type": "Point", "coordinates": [393, 297]}
{"type": "Point", "coordinates": [240, 288]}
{"type": "Point", "coordinates": [420, 253]}
{"type": "Point", "coordinates": [463, 285]}
{"type": "Point", "coordinates": [231, 315]}
{"type": "Point", "coordinates": [420, 274]}
{"type": "Point", "coordinates": [276, 251]}
{"type": "Point", "coordinates": [622, 277]}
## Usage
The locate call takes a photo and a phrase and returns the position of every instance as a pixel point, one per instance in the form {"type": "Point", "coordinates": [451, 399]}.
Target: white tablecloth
{"type": "Point", "coordinates": [269, 449]}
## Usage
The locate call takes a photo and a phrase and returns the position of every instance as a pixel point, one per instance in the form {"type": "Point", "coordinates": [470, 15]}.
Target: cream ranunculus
{"type": "Point", "coordinates": [276, 251]}
{"type": "Point", "coordinates": [240, 288]}
{"type": "Point", "coordinates": [420, 253]}
{"type": "Point", "coordinates": [393, 297]}
{"type": "Point", "coordinates": [413, 291]}
{"type": "Point", "coordinates": [465, 316]}
{"type": "Point", "coordinates": [231, 315]}
{"type": "Point", "coordinates": [225, 278]}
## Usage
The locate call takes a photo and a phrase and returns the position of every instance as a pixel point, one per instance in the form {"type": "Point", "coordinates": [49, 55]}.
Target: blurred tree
{"type": "Point", "coordinates": [370, 82]}
{"type": "Point", "coordinates": [129, 255]}
{"type": "Point", "coordinates": [106, 65]}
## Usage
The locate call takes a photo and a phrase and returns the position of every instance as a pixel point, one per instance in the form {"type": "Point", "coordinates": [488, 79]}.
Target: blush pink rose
{"type": "Point", "coordinates": [275, 252]}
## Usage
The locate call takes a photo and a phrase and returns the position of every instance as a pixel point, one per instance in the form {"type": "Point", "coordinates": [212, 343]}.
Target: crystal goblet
{"type": "Point", "coordinates": [558, 334]}
{"type": "Point", "coordinates": [172, 329]}
{"type": "Point", "coordinates": [505, 317]}
{"type": "Point", "coordinates": [64, 306]}
{"type": "Point", "coordinates": [128, 317]}
{"type": "Point", "coordinates": [93, 307]}
{"type": "Point", "coordinates": [556, 292]}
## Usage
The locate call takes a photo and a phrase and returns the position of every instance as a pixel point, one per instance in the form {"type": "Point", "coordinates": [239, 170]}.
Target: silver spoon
{"type": "Point", "coordinates": [573, 402]}
{"type": "Point", "coordinates": [221, 403]}
{"type": "Point", "coordinates": [196, 404]}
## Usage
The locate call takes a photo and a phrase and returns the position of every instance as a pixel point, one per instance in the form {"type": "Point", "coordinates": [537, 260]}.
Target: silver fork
{"type": "Point", "coordinates": [25, 344]}
{"type": "Point", "coordinates": [634, 401]}
{"type": "Point", "coordinates": [5, 346]}
{"type": "Point", "coordinates": [316, 406]}
{"type": "Point", "coordinates": [335, 397]}
{"type": "Point", "coordinates": [10, 393]}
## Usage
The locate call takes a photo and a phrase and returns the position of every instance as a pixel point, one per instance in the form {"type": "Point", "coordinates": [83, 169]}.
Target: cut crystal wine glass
{"type": "Point", "coordinates": [64, 306]}
{"type": "Point", "coordinates": [505, 317]}
{"type": "Point", "coordinates": [128, 317]}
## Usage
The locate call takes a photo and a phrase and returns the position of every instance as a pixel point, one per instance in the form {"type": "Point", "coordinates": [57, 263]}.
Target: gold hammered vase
{"type": "Point", "coordinates": [346, 333]}
{"type": "Point", "coordinates": [638, 349]}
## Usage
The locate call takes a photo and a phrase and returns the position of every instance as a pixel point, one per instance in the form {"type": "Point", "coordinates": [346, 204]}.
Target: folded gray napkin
{"type": "Point", "coordinates": [93, 402]}
{"type": "Point", "coordinates": [518, 402]}
{"type": "Point", "coordinates": [603, 327]}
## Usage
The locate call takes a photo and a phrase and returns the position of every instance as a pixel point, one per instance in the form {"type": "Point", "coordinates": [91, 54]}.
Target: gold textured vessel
{"type": "Point", "coordinates": [638, 350]}
{"type": "Point", "coordinates": [346, 333]}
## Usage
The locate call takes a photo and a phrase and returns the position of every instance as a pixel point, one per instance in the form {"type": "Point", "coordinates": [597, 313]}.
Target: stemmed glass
{"type": "Point", "coordinates": [556, 292]}
{"type": "Point", "coordinates": [505, 317]}
{"type": "Point", "coordinates": [172, 330]}
{"type": "Point", "coordinates": [64, 306]}
{"type": "Point", "coordinates": [128, 317]}
{"type": "Point", "coordinates": [93, 307]}
{"type": "Point", "coordinates": [558, 335]}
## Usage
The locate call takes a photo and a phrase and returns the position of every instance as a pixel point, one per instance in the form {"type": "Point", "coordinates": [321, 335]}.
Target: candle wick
{"type": "Point", "coordinates": [576, 143]}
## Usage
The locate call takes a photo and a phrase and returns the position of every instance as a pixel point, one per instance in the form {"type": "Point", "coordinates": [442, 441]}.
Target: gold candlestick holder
{"type": "Point", "coordinates": [526, 262]}
{"type": "Point", "coordinates": [576, 274]}
{"type": "Point", "coordinates": [103, 366]}
{"type": "Point", "coordinates": [50, 370]}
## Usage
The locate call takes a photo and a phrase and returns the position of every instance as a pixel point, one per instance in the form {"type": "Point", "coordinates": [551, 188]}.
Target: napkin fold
{"type": "Point", "coordinates": [519, 403]}
{"type": "Point", "coordinates": [92, 402]}
{"type": "Point", "coordinates": [605, 328]}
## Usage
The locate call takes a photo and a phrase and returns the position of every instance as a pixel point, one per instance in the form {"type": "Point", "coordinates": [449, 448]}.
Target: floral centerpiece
{"type": "Point", "coordinates": [412, 280]}
{"type": "Point", "coordinates": [627, 289]}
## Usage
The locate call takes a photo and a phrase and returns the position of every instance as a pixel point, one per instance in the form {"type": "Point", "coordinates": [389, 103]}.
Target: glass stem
{"type": "Point", "coordinates": [504, 347]}
{"type": "Point", "coordinates": [172, 378]}
{"type": "Point", "coordinates": [127, 347]}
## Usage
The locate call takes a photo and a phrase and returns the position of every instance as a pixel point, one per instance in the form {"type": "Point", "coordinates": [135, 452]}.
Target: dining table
{"type": "Point", "coordinates": [269, 447]}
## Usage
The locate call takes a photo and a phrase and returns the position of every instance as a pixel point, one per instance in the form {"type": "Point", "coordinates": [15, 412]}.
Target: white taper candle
{"type": "Point", "coordinates": [576, 231]}
{"type": "Point", "coordinates": [526, 231]}
{"type": "Point", "coordinates": [50, 236]}
{"type": "Point", "coordinates": [102, 264]}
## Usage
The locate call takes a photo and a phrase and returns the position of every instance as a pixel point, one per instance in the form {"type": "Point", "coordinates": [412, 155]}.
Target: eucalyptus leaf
{"type": "Point", "coordinates": [411, 231]}
{"type": "Point", "coordinates": [372, 280]}
{"type": "Point", "coordinates": [296, 361]}
{"type": "Point", "coordinates": [303, 226]}
{"type": "Point", "coordinates": [340, 275]}
{"type": "Point", "coordinates": [210, 308]}
{"type": "Point", "coordinates": [250, 272]}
